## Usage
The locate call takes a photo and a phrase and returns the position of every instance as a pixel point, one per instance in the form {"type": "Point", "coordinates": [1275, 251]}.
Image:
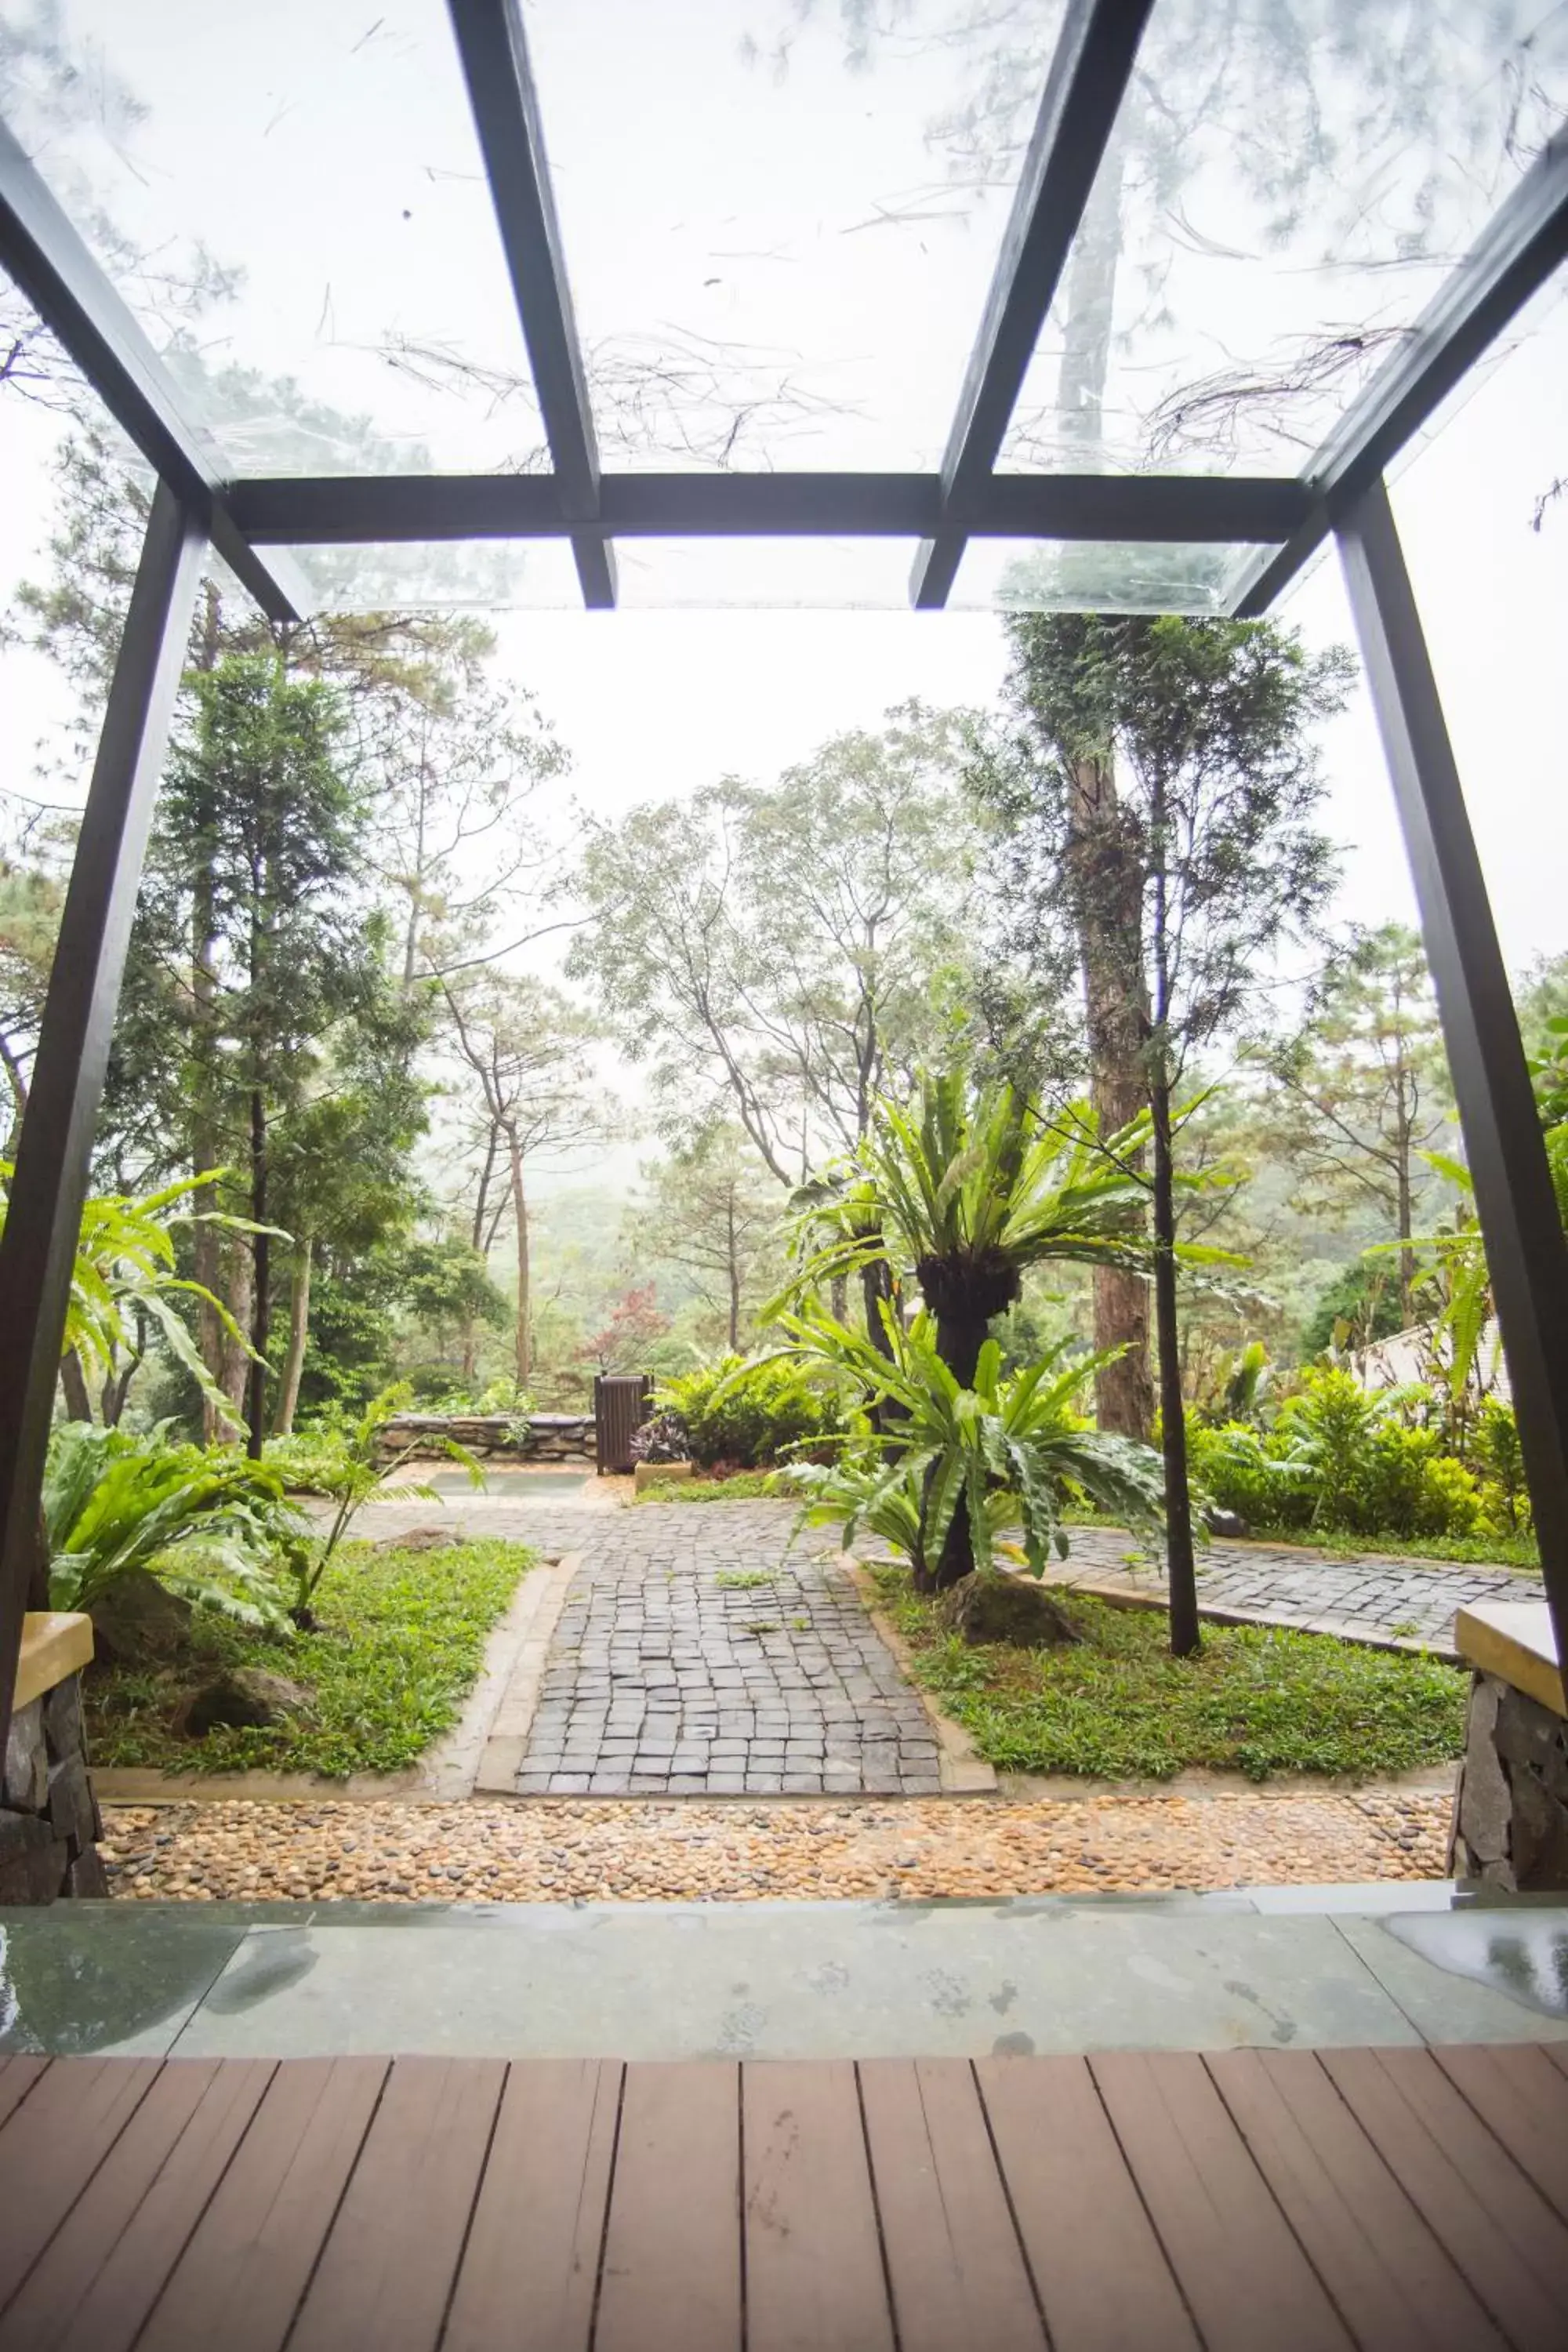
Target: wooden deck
{"type": "Point", "coordinates": [1257, 2201]}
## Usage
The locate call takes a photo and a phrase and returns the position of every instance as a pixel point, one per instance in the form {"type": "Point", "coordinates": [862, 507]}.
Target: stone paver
{"type": "Point", "coordinates": [699, 1654]}
{"type": "Point", "coordinates": [1388, 1600]}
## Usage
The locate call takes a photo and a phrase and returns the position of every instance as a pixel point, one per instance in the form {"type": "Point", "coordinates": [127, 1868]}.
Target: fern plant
{"type": "Point", "coordinates": [212, 1525]}
{"type": "Point", "coordinates": [1004, 1451]}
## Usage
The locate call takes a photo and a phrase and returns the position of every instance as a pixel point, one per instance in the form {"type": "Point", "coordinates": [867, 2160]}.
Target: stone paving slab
{"type": "Point", "coordinates": [1371, 1597]}
{"type": "Point", "coordinates": [700, 1653]}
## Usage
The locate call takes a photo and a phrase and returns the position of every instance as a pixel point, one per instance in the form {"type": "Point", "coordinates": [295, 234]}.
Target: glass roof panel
{"type": "Point", "coordinates": [711, 574]}
{"type": "Point", "coordinates": [1290, 182]}
{"type": "Point", "coordinates": [780, 219]}
{"type": "Point", "coordinates": [1023, 575]}
{"type": "Point", "coordinates": [290, 195]}
{"type": "Point", "coordinates": [488, 575]}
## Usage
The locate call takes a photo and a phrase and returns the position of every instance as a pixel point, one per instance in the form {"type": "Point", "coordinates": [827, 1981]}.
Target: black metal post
{"type": "Point", "coordinates": [53, 1155]}
{"type": "Point", "coordinates": [1526, 1252]}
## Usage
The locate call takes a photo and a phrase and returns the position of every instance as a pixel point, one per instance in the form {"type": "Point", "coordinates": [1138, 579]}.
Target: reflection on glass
{"type": "Point", "coordinates": [291, 198]}
{"type": "Point", "coordinates": [781, 218]}
{"type": "Point", "coordinates": [1291, 181]}
{"type": "Point", "coordinates": [488, 575]}
{"type": "Point", "coordinates": [712, 573]}
{"type": "Point", "coordinates": [1018, 575]}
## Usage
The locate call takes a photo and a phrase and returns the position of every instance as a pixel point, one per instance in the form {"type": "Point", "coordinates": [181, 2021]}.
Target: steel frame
{"type": "Point", "coordinates": [1340, 491]}
{"type": "Point", "coordinates": [1526, 1253]}
{"type": "Point", "coordinates": [54, 1151]}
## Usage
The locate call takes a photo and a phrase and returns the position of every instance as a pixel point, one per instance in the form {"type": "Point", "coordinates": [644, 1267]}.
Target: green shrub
{"type": "Point", "coordinates": [770, 1414]}
{"type": "Point", "coordinates": [1504, 1497]}
{"type": "Point", "coordinates": [1340, 1457]}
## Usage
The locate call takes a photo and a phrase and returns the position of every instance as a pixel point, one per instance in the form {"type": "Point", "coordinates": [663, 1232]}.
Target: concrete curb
{"type": "Point", "coordinates": [962, 1770]}
{"type": "Point", "coordinates": [507, 1740]}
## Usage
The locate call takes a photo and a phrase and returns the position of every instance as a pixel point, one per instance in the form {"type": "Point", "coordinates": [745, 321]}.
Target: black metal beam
{"type": "Point", "coordinates": [362, 509]}
{"type": "Point", "coordinates": [43, 1215]}
{"type": "Point", "coordinates": [1088, 79]}
{"type": "Point", "coordinates": [506, 115]}
{"type": "Point", "coordinates": [1525, 241]}
{"type": "Point", "coordinates": [46, 258]}
{"type": "Point", "coordinates": [1526, 1252]}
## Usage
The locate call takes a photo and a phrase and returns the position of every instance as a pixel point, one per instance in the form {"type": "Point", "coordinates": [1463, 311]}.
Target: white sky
{"type": "Point", "coordinates": [651, 703]}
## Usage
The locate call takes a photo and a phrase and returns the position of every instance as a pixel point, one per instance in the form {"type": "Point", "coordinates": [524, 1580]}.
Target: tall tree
{"type": "Point", "coordinates": [777, 951]}
{"type": "Point", "coordinates": [1213, 861]}
{"type": "Point", "coordinates": [522, 1047]}
{"type": "Point", "coordinates": [1362, 1090]}
{"type": "Point", "coordinates": [711, 1210]}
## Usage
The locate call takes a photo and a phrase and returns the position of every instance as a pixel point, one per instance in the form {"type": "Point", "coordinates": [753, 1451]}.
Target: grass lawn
{"type": "Point", "coordinates": [745, 1487]}
{"type": "Point", "coordinates": [1118, 1706]}
{"type": "Point", "coordinates": [401, 1643]}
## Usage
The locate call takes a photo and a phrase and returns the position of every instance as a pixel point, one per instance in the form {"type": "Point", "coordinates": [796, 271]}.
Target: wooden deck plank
{"type": "Point", "coordinates": [387, 2268]}
{"type": "Point", "coordinates": [18, 2076]}
{"type": "Point", "coordinates": [1390, 2279]}
{"type": "Point", "coordinates": [1098, 2269]}
{"type": "Point", "coordinates": [54, 2143]}
{"type": "Point", "coordinates": [1498, 2230]}
{"type": "Point", "coordinates": [238, 2283]}
{"type": "Point", "coordinates": [102, 2271]}
{"type": "Point", "coordinates": [1244, 2278]}
{"type": "Point", "coordinates": [953, 2261]}
{"type": "Point", "coordinates": [670, 2280]}
{"type": "Point", "coordinates": [1522, 2099]}
{"type": "Point", "coordinates": [531, 2269]}
{"type": "Point", "coordinates": [814, 2258]}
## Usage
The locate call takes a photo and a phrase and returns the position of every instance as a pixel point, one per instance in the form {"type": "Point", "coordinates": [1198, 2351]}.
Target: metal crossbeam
{"type": "Point", "coordinates": [350, 509]}
{"type": "Point", "coordinates": [47, 259]}
{"type": "Point", "coordinates": [506, 115]}
{"type": "Point", "coordinates": [1524, 242]}
{"type": "Point", "coordinates": [1084, 89]}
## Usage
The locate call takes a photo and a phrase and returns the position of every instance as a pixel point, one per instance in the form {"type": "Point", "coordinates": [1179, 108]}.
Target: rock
{"type": "Point", "coordinates": [62, 1719]}
{"type": "Point", "coordinates": [246, 1698]}
{"type": "Point", "coordinates": [32, 1860]}
{"type": "Point", "coordinates": [1226, 1523]}
{"type": "Point", "coordinates": [25, 1781]}
{"type": "Point", "coordinates": [87, 1875]}
{"type": "Point", "coordinates": [422, 1539]}
{"type": "Point", "coordinates": [990, 1606]}
{"type": "Point", "coordinates": [70, 1802]}
{"type": "Point", "coordinates": [137, 1619]}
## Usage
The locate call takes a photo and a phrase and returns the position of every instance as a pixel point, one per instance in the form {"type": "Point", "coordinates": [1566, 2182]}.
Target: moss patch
{"type": "Point", "coordinates": [1116, 1705]}
{"type": "Point", "coordinates": [401, 1642]}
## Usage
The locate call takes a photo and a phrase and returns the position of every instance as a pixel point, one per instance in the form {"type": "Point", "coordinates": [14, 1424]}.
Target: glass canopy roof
{"type": "Point", "coordinates": [952, 243]}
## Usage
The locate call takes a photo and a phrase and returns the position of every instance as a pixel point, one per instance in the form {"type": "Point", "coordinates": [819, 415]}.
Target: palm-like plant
{"type": "Point", "coordinates": [125, 1278]}
{"type": "Point", "coordinates": [213, 1524]}
{"type": "Point", "coordinates": [967, 1188]}
{"type": "Point", "coordinates": [1000, 1452]}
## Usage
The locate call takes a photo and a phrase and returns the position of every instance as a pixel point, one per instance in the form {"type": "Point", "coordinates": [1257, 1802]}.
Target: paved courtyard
{"type": "Point", "coordinates": [695, 1656]}
{"type": "Point", "coordinates": [1384, 1599]}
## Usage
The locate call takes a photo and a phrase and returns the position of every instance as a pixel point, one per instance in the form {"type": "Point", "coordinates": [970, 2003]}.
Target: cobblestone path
{"type": "Point", "coordinates": [1388, 1598]}
{"type": "Point", "coordinates": [697, 1656]}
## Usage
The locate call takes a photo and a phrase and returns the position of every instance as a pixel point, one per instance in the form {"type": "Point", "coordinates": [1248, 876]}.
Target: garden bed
{"type": "Point", "coordinates": [401, 1640]}
{"type": "Point", "coordinates": [1118, 1706]}
{"type": "Point", "coordinates": [740, 1487]}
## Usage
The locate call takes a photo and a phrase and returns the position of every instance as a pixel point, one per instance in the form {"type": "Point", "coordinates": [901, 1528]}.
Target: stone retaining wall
{"type": "Point", "coordinates": [1511, 1809]}
{"type": "Point", "coordinates": [544, 1437]}
{"type": "Point", "coordinates": [49, 1820]}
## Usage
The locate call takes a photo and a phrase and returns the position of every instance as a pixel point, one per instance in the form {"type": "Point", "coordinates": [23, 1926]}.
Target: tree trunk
{"type": "Point", "coordinates": [1108, 897]}
{"type": "Point", "coordinates": [960, 1335]}
{"type": "Point", "coordinates": [299, 1332]}
{"type": "Point", "coordinates": [1181, 1566]}
{"type": "Point", "coordinates": [261, 1303]}
{"type": "Point", "coordinates": [524, 1359]}
{"type": "Point", "coordinates": [236, 1364]}
{"type": "Point", "coordinates": [73, 1379]}
{"type": "Point", "coordinates": [734, 1271]}
{"type": "Point", "coordinates": [1405, 1207]}
{"type": "Point", "coordinates": [206, 1244]}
